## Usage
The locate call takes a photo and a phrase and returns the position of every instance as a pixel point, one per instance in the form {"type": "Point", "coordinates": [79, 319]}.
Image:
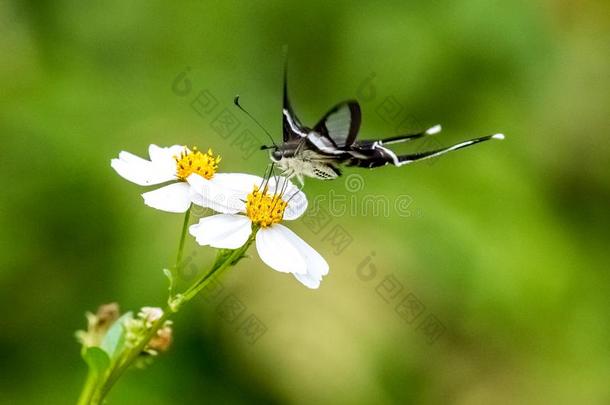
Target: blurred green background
{"type": "Point", "coordinates": [506, 245]}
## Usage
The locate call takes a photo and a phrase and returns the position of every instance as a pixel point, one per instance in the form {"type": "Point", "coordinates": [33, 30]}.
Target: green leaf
{"type": "Point", "coordinates": [97, 359]}
{"type": "Point", "coordinates": [168, 274]}
{"type": "Point", "coordinates": [170, 277]}
{"type": "Point", "coordinates": [115, 337]}
{"type": "Point", "coordinates": [238, 258]}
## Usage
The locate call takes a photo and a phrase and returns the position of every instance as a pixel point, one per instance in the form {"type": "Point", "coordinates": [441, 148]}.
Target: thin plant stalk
{"type": "Point", "coordinates": [94, 391]}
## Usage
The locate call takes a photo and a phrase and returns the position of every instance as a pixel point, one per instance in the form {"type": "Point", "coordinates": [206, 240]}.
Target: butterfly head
{"type": "Point", "coordinates": [275, 154]}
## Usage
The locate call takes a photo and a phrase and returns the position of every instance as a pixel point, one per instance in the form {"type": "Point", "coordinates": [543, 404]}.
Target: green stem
{"type": "Point", "coordinates": [185, 225]}
{"type": "Point", "coordinates": [88, 389]}
{"type": "Point", "coordinates": [176, 268]}
{"type": "Point", "coordinates": [205, 280]}
{"type": "Point", "coordinates": [124, 363]}
{"type": "Point", "coordinates": [173, 306]}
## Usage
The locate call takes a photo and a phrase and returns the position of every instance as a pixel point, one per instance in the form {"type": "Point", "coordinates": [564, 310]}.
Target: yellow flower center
{"type": "Point", "coordinates": [203, 164]}
{"type": "Point", "coordinates": [264, 209]}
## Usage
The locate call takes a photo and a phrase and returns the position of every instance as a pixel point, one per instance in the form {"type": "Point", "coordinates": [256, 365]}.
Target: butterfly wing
{"type": "Point", "coordinates": [341, 124]}
{"type": "Point", "coordinates": [292, 127]}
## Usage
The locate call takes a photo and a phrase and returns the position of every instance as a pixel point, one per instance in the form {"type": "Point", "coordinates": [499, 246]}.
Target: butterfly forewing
{"type": "Point", "coordinates": [292, 127]}
{"type": "Point", "coordinates": [341, 124]}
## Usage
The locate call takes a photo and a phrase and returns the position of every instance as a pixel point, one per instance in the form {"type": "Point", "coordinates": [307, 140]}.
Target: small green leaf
{"type": "Point", "coordinates": [238, 258]}
{"type": "Point", "coordinates": [170, 277]}
{"type": "Point", "coordinates": [115, 337]}
{"type": "Point", "coordinates": [97, 359]}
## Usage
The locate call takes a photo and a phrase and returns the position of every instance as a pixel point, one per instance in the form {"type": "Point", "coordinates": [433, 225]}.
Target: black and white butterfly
{"type": "Point", "coordinates": [319, 151]}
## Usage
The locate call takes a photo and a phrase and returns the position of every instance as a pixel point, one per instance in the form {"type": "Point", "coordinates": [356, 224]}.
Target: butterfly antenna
{"type": "Point", "coordinates": [236, 101]}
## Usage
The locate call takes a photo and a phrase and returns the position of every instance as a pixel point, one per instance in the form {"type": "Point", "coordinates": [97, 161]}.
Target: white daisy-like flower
{"type": "Point", "coordinates": [177, 164]}
{"type": "Point", "coordinates": [263, 205]}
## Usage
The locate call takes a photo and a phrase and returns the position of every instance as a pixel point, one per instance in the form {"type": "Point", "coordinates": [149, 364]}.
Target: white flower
{"type": "Point", "coordinates": [176, 164]}
{"type": "Point", "coordinates": [265, 204]}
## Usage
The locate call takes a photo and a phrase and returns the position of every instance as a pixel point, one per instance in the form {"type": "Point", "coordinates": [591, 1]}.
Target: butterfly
{"type": "Point", "coordinates": [318, 152]}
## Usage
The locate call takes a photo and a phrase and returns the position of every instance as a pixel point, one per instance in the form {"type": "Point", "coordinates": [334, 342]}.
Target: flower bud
{"type": "Point", "coordinates": [98, 324]}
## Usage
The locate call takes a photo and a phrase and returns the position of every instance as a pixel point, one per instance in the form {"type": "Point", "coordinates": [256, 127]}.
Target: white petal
{"type": "Point", "coordinates": [206, 193]}
{"type": "Point", "coordinates": [297, 201]}
{"type": "Point", "coordinates": [164, 159]}
{"type": "Point", "coordinates": [308, 280]}
{"type": "Point", "coordinates": [237, 185]}
{"type": "Point", "coordinates": [172, 198]}
{"type": "Point", "coordinates": [225, 192]}
{"type": "Point", "coordinates": [316, 265]}
{"type": "Point", "coordinates": [277, 250]}
{"type": "Point", "coordinates": [161, 167]}
{"type": "Point", "coordinates": [199, 189]}
{"type": "Point", "coordinates": [222, 231]}
{"type": "Point", "coordinates": [140, 171]}
{"type": "Point", "coordinates": [132, 168]}
{"type": "Point", "coordinates": [238, 181]}
{"type": "Point", "coordinates": [159, 154]}
{"type": "Point", "coordinates": [297, 205]}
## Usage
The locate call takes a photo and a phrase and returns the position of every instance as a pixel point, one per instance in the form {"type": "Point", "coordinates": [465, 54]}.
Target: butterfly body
{"type": "Point", "coordinates": [309, 165]}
